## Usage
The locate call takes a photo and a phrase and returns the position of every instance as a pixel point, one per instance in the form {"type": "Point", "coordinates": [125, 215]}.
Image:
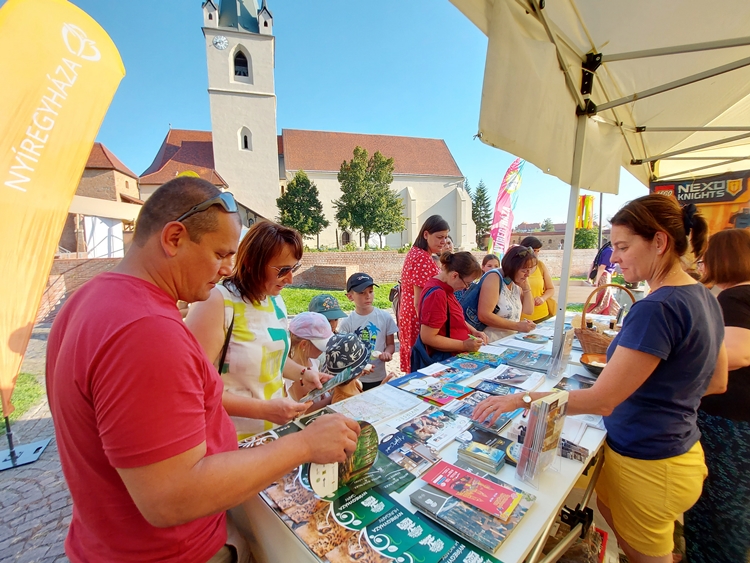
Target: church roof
{"type": "Point", "coordinates": [182, 151]}
{"type": "Point", "coordinates": [240, 14]}
{"type": "Point", "coordinates": [324, 151]}
{"type": "Point", "coordinates": [102, 158]}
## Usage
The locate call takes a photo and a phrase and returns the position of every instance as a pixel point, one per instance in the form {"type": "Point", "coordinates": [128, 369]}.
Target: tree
{"type": "Point", "coordinates": [367, 202]}
{"type": "Point", "coordinates": [481, 210]}
{"type": "Point", "coordinates": [548, 225]}
{"type": "Point", "coordinates": [300, 207]}
{"type": "Point", "coordinates": [586, 238]}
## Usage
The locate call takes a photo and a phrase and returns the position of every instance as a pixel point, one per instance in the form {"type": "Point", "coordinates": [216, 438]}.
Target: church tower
{"type": "Point", "coordinates": [240, 59]}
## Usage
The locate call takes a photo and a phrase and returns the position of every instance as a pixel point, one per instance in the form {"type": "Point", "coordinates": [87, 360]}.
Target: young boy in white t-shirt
{"type": "Point", "coordinates": [374, 326]}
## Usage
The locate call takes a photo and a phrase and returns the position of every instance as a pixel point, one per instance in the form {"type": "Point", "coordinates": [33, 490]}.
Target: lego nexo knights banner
{"type": "Point", "coordinates": [60, 71]}
{"type": "Point", "coordinates": [724, 200]}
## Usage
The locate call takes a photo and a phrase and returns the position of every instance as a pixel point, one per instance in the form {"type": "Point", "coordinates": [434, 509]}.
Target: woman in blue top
{"type": "Point", "coordinates": [667, 356]}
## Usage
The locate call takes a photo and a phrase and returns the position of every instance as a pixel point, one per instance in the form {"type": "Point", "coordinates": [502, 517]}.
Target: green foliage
{"type": "Point", "coordinates": [26, 394]}
{"type": "Point", "coordinates": [349, 247]}
{"type": "Point", "coordinates": [481, 211]}
{"type": "Point", "coordinates": [367, 202]}
{"type": "Point", "coordinates": [404, 249]}
{"type": "Point", "coordinates": [300, 207]}
{"type": "Point", "coordinates": [548, 225]}
{"type": "Point", "coordinates": [298, 299]}
{"type": "Point", "coordinates": [586, 238]}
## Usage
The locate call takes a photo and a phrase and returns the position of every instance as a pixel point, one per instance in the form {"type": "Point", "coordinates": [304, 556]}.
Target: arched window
{"type": "Point", "coordinates": [245, 139]}
{"type": "Point", "coordinates": [346, 237]}
{"type": "Point", "coordinates": [241, 67]}
{"type": "Point", "coordinates": [210, 16]}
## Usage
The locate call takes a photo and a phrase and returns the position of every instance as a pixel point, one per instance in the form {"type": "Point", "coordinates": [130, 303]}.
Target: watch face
{"type": "Point", "coordinates": [220, 42]}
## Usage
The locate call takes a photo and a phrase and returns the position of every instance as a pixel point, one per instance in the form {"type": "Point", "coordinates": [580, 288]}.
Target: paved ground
{"type": "Point", "coordinates": [35, 506]}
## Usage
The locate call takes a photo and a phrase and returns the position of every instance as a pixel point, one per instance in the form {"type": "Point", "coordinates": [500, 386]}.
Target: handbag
{"type": "Point", "coordinates": [470, 301]}
{"type": "Point", "coordinates": [420, 356]}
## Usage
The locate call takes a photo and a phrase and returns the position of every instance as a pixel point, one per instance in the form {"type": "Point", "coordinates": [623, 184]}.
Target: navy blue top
{"type": "Point", "coordinates": [682, 326]}
{"type": "Point", "coordinates": [605, 258]}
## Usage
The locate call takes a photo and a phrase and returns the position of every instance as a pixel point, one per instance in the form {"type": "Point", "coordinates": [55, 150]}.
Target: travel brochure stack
{"type": "Point", "coordinates": [474, 505]}
{"type": "Point", "coordinates": [344, 512]}
{"type": "Point", "coordinates": [540, 444]}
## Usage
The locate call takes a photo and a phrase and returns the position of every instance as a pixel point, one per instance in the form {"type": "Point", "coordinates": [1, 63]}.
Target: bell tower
{"type": "Point", "coordinates": [240, 59]}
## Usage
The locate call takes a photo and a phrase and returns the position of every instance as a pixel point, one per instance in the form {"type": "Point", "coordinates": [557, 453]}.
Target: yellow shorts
{"type": "Point", "coordinates": [646, 496]}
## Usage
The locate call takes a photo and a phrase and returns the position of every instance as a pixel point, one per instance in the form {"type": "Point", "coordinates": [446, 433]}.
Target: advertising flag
{"type": "Point", "coordinates": [585, 212]}
{"type": "Point", "coordinates": [502, 220]}
{"type": "Point", "coordinates": [60, 71]}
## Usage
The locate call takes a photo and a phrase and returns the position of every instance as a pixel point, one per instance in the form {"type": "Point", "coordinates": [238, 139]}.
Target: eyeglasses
{"type": "Point", "coordinates": [284, 270]}
{"type": "Point", "coordinates": [226, 200]}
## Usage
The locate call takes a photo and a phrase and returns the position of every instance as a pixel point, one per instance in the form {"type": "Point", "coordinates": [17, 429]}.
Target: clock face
{"type": "Point", "coordinates": [220, 42]}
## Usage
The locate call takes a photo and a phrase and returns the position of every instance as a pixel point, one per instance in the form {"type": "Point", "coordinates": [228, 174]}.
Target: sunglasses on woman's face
{"type": "Point", "coordinates": [284, 270]}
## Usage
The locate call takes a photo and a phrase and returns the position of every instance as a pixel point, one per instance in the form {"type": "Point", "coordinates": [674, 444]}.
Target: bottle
{"type": "Point", "coordinates": [612, 323]}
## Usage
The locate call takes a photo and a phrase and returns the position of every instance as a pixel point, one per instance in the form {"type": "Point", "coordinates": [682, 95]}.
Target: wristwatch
{"type": "Point", "coordinates": [526, 398]}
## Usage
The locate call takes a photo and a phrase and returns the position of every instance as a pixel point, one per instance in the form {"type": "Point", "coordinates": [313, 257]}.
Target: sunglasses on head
{"type": "Point", "coordinates": [225, 200]}
{"type": "Point", "coordinates": [284, 270]}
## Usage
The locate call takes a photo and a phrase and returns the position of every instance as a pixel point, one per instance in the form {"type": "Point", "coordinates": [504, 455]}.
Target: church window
{"type": "Point", "coordinates": [240, 64]}
{"type": "Point", "coordinates": [246, 139]}
{"type": "Point", "coordinates": [346, 238]}
{"type": "Point", "coordinates": [265, 24]}
{"type": "Point", "coordinates": [210, 16]}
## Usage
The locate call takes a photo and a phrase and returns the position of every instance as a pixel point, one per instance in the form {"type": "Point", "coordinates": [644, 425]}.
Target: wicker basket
{"type": "Point", "coordinates": [594, 342]}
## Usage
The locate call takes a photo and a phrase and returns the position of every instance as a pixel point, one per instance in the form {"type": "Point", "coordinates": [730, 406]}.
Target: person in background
{"type": "Point", "coordinates": [605, 303]}
{"type": "Point", "coordinates": [448, 244]}
{"type": "Point", "coordinates": [668, 354]}
{"type": "Point", "coordinates": [490, 262]}
{"type": "Point", "coordinates": [148, 452]}
{"type": "Point", "coordinates": [375, 327]}
{"type": "Point", "coordinates": [328, 306]}
{"type": "Point", "coordinates": [418, 269]}
{"type": "Point", "coordinates": [249, 301]}
{"type": "Point", "coordinates": [502, 299]}
{"type": "Point", "coordinates": [540, 283]}
{"type": "Point", "coordinates": [440, 307]}
{"type": "Point", "coordinates": [309, 334]}
{"type": "Point", "coordinates": [717, 528]}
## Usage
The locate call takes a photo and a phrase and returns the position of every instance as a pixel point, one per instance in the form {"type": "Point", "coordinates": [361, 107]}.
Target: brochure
{"type": "Point", "coordinates": [434, 427]}
{"type": "Point", "coordinates": [481, 493]}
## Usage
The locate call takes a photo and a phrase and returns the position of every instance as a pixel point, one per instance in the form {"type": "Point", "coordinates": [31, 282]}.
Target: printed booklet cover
{"type": "Point", "coordinates": [434, 427]}
{"type": "Point", "coordinates": [490, 497]}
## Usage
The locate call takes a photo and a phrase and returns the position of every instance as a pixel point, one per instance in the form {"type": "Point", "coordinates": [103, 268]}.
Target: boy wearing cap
{"type": "Point", "coordinates": [328, 306]}
{"type": "Point", "coordinates": [375, 327]}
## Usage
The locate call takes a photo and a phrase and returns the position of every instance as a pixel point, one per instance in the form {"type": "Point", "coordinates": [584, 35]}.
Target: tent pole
{"type": "Point", "coordinates": [570, 231]}
{"type": "Point", "coordinates": [11, 447]}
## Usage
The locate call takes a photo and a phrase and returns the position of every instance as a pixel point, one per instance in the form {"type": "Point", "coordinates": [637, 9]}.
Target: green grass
{"type": "Point", "coordinates": [297, 299]}
{"type": "Point", "coordinates": [575, 307]}
{"type": "Point", "coordinates": [27, 393]}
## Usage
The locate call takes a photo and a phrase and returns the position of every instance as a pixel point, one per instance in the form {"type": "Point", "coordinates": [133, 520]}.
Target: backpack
{"type": "Point", "coordinates": [420, 355]}
{"type": "Point", "coordinates": [395, 298]}
{"type": "Point", "coordinates": [470, 301]}
{"type": "Point", "coordinates": [595, 264]}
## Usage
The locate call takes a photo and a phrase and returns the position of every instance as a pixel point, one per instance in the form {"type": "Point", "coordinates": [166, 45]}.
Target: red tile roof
{"type": "Point", "coordinates": [102, 158]}
{"type": "Point", "coordinates": [325, 151]}
{"type": "Point", "coordinates": [183, 151]}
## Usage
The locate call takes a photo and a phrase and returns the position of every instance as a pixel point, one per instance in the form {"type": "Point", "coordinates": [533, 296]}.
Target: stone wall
{"type": "Point", "coordinates": [385, 266]}
{"type": "Point", "coordinates": [77, 271]}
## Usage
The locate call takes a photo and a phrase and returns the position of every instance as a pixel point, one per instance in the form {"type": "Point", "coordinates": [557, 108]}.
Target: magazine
{"type": "Point", "coordinates": [537, 361]}
{"type": "Point", "coordinates": [407, 452]}
{"type": "Point", "coordinates": [494, 499]}
{"type": "Point", "coordinates": [542, 437]}
{"type": "Point", "coordinates": [439, 388]}
{"type": "Point", "coordinates": [476, 433]}
{"type": "Point", "coordinates": [495, 388]}
{"type": "Point", "coordinates": [516, 377]}
{"type": "Point", "coordinates": [399, 531]}
{"type": "Point", "coordinates": [492, 360]}
{"type": "Point", "coordinates": [471, 524]}
{"type": "Point", "coordinates": [344, 377]}
{"type": "Point", "coordinates": [573, 383]}
{"type": "Point", "coordinates": [469, 366]}
{"type": "Point", "coordinates": [434, 427]}
{"type": "Point", "coordinates": [465, 407]}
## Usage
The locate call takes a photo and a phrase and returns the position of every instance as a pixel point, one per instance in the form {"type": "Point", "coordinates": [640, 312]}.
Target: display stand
{"type": "Point", "coordinates": [16, 456]}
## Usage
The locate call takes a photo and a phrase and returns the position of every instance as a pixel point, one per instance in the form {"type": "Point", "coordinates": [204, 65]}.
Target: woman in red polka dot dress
{"type": "Point", "coordinates": [419, 267]}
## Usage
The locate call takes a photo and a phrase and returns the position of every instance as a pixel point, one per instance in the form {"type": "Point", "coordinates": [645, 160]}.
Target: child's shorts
{"type": "Point", "coordinates": [647, 496]}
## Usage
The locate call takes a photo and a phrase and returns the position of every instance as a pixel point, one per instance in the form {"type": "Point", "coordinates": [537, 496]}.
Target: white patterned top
{"type": "Point", "coordinates": [509, 306]}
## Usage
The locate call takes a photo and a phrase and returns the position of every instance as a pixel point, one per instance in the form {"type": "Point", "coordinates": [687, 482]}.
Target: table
{"type": "Point", "coordinates": [272, 541]}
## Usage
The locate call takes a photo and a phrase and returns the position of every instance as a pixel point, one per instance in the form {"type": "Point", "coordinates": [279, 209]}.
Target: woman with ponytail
{"type": "Point", "coordinates": [668, 355]}
{"type": "Point", "coordinates": [443, 332]}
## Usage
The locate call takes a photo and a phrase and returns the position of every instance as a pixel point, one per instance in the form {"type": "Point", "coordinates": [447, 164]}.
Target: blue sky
{"type": "Point", "coordinates": [397, 68]}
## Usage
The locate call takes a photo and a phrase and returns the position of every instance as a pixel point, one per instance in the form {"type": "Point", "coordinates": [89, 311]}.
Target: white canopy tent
{"type": "Point", "coordinates": [582, 87]}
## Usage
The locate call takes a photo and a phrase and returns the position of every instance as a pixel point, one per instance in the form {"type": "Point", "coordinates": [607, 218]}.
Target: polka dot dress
{"type": "Point", "coordinates": [418, 268]}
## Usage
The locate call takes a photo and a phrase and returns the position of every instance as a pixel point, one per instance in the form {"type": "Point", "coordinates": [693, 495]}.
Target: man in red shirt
{"type": "Point", "coordinates": [148, 452]}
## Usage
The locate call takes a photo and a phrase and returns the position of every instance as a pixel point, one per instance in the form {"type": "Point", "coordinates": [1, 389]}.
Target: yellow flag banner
{"type": "Point", "coordinates": [60, 71]}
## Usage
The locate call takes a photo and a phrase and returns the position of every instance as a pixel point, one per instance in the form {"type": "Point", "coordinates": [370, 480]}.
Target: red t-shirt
{"type": "Point", "coordinates": [433, 311]}
{"type": "Point", "coordinates": [129, 386]}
